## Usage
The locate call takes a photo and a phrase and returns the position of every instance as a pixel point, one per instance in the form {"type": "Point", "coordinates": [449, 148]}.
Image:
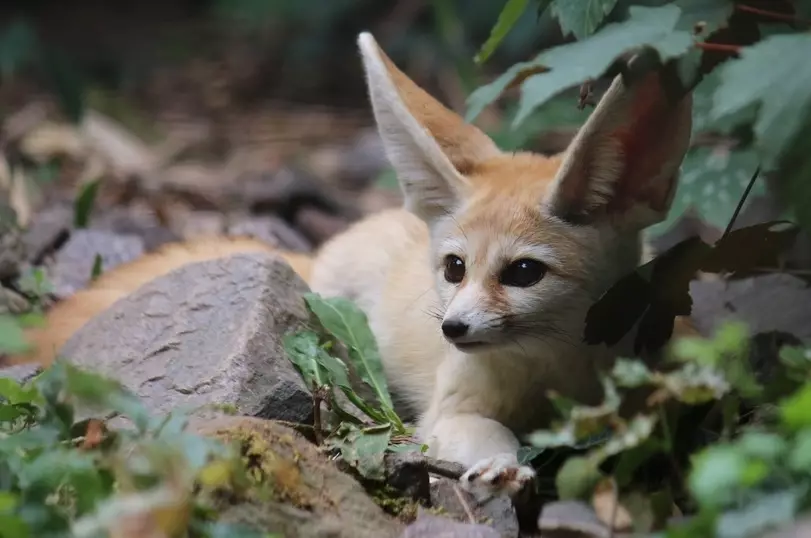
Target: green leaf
{"type": "Point", "coordinates": [720, 471]}
{"type": "Point", "coordinates": [526, 454]}
{"type": "Point", "coordinates": [98, 267]}
{"type": "Point", "coordinates": [713, 14]}
{"type": "Point", "coordinates": [765, 513]}
{"type": "Point", "coordinates": [346, 322]}
{"type": "Point", "coordinates": [17, 43]}
{"type": "Point", "coordinates": [365, 449]}
{"type": "Point", "coordinates": [573, 63]}
{"type": "Point", "coordinates": [712, 183]}
{"type": "Point", "coordinates": [582, 17]}
{"type": "Point", "coordinates": [303, 350]}
{"type": "Point", "coordinates": [794, 189]}
{"type": "Point", "coordinates": [83, 205]}
{"type": "Point", "coordinates": [800, 457]}
{"type": "Point", "coordinates": [15, 393]}
{"type": "Point", "coordinates": [795, 411]}
{"type": "Point", "coordinates": [512, 11]}
{"type": "Point", "coordinates": [12, 337]}
{"type": "Point", "coordinates": [576, 478]}
{"type": "Point", "coordinates": [774, 74]}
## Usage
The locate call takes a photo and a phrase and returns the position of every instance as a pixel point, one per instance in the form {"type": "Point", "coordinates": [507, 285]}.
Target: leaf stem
{"type": "Point", "coordinates": [771, 14]}
{"type": "Point", "coordinates": [741, 202]}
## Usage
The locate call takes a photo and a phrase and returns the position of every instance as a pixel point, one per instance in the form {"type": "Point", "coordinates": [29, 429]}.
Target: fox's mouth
{"type": "Point", "coordinates": [469, 346]}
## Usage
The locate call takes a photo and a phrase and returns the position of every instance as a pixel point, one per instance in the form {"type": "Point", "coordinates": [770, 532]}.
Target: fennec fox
{"type": "Point", "coordinates": [477, 289]}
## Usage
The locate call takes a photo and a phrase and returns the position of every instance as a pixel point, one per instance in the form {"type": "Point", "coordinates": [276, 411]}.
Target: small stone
{"type": "Point", "coordinates": [319, 226]}
{"type": "Point", "coordinates": [407, 473]}
{"type": "Point", "coordinates": [138, 221]}
{"type": "Point", "coordinates": [207, 333]}
{"type": "Point", "coordinates": [200, 223]}
{"type": "Point", "coordinates": [571, 519]}
{"type": "Point", "coordinates": [429, 526]}
{"type": "Point", "coordinates": [497, 512]}
{"type": "Point", "coordinates": [12, 302]}
{"type": "Point", "coordinates": [47, 229]}
{"type": "Point", "coordinates": [21, 373]}
{"type": "Point", "coordinates": [73, 265]}
{"type": "Point", "coordinates": [272, 230]}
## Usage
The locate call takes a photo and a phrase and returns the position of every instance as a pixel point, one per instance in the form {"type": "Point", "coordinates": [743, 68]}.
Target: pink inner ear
{"type": "Point", "coordinates": [645, 142]}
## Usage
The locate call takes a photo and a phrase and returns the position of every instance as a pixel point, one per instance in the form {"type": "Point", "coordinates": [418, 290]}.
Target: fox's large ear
{"type": "Point", "coordinates": [430, 147]}
{"type": "Point", "coordinates": [623, 165]}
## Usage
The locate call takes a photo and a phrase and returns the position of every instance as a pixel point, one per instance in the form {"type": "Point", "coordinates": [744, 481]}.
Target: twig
{"type": "Point", "coordinates": [741, 202]}
{"type": "Point", "coordinates": [464, 503]}
{"type": "Point", "coordinates": [785, 17]}
{"type": "Point", "coordinates": [719, 47]}
{"type": "Point", "coordinates": [318, 397]}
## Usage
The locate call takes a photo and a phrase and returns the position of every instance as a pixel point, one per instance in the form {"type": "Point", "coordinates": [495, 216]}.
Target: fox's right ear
{"type": "Point", "coordinates": [431, 148]}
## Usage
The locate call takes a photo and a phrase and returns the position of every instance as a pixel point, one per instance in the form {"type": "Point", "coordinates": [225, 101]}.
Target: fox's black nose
{"type": "Point", "coordinates": [454, 328]}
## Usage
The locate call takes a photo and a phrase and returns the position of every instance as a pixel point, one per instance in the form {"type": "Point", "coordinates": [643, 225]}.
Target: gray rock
{"type": "Point", "coordinates": [272, 230]}
{"type": "Point", "coordinates": [47, 229]}
{"type": "Point", "coordinates": [139, 221]}
{"type": "Point", "coordinates": [316, 500]}
{"type": "Point", "coordinates": [571, 519]}
{"type": "Point", "coordinates": [207, 333]}
{"type": "Point", "coordinates": [12, 246]}
{"type": "Point", "coordinates": [73, 266]}
{"type": "Point", "coordinates": [497, 513]}
{"type": "Point", "coordinates": [19, 373]}
{"type": "Point", "coordinates": [12, 302]}
{"type": "Point", "coordinates": [774, 302]}
{"type": "Point", "coordinates": [429, 526]}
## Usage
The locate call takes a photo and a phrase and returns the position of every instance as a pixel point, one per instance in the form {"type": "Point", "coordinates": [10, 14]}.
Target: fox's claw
{"type": "Point", "coordinates": [496, 475]}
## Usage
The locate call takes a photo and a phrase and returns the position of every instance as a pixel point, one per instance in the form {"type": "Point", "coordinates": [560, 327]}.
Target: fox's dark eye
{"type": "Point", "coordinates": [522, 273]}
{"type": "Point", "coordinates": [454, 269]}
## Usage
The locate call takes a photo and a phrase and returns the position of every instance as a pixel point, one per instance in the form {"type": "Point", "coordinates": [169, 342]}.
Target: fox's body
{"type": "Point", "coordinates": [477, 289]}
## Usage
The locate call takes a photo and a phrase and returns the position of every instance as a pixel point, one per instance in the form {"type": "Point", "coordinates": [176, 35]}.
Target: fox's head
{"type": "Point", "coordinates": [522, 244]}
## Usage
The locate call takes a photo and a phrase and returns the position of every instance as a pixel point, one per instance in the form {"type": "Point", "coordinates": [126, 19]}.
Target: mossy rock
{"type": "Point", "coordinates": [294, 490]}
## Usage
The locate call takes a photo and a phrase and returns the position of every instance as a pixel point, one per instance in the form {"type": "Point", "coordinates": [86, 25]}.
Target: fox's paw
{"type": "Point", "coordinates": [496, 475]}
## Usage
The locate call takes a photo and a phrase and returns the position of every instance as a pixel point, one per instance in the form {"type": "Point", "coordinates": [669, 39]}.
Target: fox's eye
{"type": "Point", "coordinates": [454, 269]}
{"type": "Point", "coordinates": [522, 273]}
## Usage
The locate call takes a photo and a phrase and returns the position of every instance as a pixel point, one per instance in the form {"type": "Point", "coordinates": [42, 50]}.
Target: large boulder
{"type": "Point", "coordinates": [206, 333]}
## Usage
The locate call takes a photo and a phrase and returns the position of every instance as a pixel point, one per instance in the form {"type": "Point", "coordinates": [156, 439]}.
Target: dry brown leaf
{"type": "Point", "coordinates": [50, 139]}
{"type": "Point", "coordinates": [606, 505]}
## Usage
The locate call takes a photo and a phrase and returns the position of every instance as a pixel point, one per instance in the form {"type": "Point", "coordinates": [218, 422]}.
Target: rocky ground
{"type": "Point", "coordinates": [213, 330]}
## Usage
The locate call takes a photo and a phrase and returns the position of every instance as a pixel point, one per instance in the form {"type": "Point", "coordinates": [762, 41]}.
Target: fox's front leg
{"type": "Point", "coordinates": [486, 447]}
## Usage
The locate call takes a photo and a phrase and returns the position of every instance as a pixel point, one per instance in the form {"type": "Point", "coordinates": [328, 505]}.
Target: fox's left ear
{"type": "Point", "coordinates": [623, 165]}
{"type": "Point", "coordinates": [431, 148]}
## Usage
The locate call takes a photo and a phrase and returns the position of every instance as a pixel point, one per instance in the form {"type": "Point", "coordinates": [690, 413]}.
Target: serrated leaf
{"type": "Point", "coordinates": [567, 65]}
{"type": "Point", "coordinates": [346, 322]}
{"type": "Point", "coordinates": [512, 11]}
{"type": "Point", "coordinates": [581, 18]}
{"type": "Point", "coordinates": [775, 75]}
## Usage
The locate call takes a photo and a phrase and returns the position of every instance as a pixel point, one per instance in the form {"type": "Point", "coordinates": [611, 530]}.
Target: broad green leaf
{"type": "Point", "coordinates": [105, 394]}
{"type": "Point", "coordinates": [765, 446]}
{"type": "Point", "coordinates": [712, 14]}
{"type": "Point", "coordinates": [794, 187]}
{"type": "Point", "coordinates": [302, 349]}
{"type": "Point", "coordinates": [572, 63]}
{"type": "Point", "coordinates": [365, 449]}
{"type": "Point", "coordinates": [800, 457]}
{"type": "Point", "coordinates": [712, 183]}
{"type": "Point", "coordinates": [775, 74]}
{"type": "Point", "coordinates": [12, 337]}
{"type": "Point", "coordinates": [15, 393]}
{"type": "Point", "coordinates": [346, 322]}
{"type": "Point", "coordinates": [795, 411]}
{"type": "Point", "coordinates": [83, 205]}
{"type": "Point", "coordinates": [526, 454]}
{"type": "Point", "coordinates": [12, 526]}
{"type": "Point", "coordinates": [576, 478]}
{"type": "Point", "coordinates": [581, 17]}
{"type": "Point", "coordinates": [512, 11]}
{"type": "Point", "coordinates": [721, 471]}
{"type": "Point", "coordinates": [768, 512]}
